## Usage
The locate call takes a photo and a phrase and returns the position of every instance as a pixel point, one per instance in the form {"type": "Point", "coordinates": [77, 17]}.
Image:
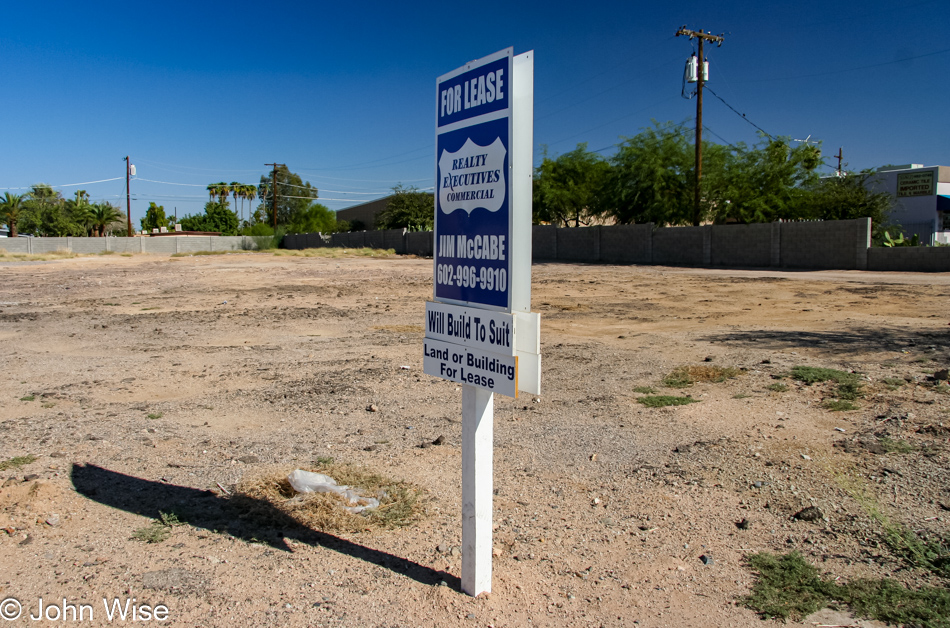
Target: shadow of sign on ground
{"type": "Point", "coordinates": [232, 515]}
{"type": "Point", "coordinates": [853, 341]}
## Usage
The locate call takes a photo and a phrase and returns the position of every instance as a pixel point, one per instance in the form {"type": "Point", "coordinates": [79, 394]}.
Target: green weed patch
{"type": "Point", "coordinates": [815, 375]}
{"type": "Point", "coordinates": [159, 530]}
{"type": "Point", "coordinates": [685, 376]}
{"type": "Point", "coordinates": [789, 587]}
{"type": "Point", "coordinates": [16, 462]}
{"type": "Point", "coordinates": [661, 401]}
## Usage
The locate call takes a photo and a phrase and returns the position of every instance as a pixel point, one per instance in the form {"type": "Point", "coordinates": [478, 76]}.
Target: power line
{"type": "Point", "coordinates": [65, 185]}
{"type": "Point", "coordinates": [158, 163]}
{"type": "Point", "coordinates": [304, 170]}
{"type": "Point", "coordinates": [741, 115]}
{"type": "Point", "coordinates": [610, 69]}
{"type": "Point", "coordinates": [623, 117]}
{"type": "Point", "coordinates": [719, 136]}
{"type": "Point", "coordinates": [194, 185]}
{"type": "Point", "coordinates": [372, 161]}
{"type": "Point", "coordinates": [862, 67]}
{"type": "Point", "coordinates": [601, 93]}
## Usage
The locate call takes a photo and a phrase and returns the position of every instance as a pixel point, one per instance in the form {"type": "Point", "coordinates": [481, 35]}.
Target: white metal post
{"type": "Point", "coordinates": [477, 428]}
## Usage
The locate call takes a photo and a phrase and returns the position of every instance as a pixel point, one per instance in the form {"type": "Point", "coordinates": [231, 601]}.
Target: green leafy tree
{"type": "Point", "coordinates": [314, 219]}
{"type": "Point", "coordinates": [571, 188]}
{"type": "Point", "coordinates": [10, 207]}
{"type": "Point", "coordinates": [652, 177]}
{"type": "Point", "coordinates": [217, 217]}
{"type": "Point", "coordinates": [155, 218]}
{"type": "Point", "coordinates": [103, 215]}
{"type": "Point", "coordinates": [408, 209]}
{"type": "Point", "coordinates": [79, 211]}
{"type": "Point", "coordinates": [293, 196]}
{"type": "Point", "coordinates": [848, 197]}
{"type": "Point", "coordinates": [44, 213]}
{"type": "Point", "coordinates": [765, 183]}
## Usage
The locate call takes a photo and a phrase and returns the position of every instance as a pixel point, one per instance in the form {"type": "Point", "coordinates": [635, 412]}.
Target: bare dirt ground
{"type": "Point", "coordinates": [151, 384]}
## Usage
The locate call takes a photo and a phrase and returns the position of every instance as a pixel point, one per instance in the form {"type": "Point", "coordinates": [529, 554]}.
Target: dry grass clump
{"type": "Point", "coordinates": [269, 495]}
{"type": "Point", "coordinates": [335, 252]}
{"type": "Point", "coordinates": [683, 376]}
{"type": "Point", "coordinates": [7, 256]}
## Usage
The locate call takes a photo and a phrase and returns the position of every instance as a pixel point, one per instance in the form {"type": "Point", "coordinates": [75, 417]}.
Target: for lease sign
{"type": "Point", "coordinates": [473, 217]}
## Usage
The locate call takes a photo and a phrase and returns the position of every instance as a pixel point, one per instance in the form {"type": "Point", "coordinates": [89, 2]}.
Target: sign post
{"type": "Point", "coordinates": [480, 331]}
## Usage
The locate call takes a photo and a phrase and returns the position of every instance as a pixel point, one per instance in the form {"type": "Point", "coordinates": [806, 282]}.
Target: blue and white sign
{"type": "Point", "coordinates": [480, 331]}
{"type": "Point", "coordinates": [473, 217]}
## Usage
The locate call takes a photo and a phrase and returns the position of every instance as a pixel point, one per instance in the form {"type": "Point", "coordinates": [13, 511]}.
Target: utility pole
{"type": "Point", "coordinates": [128, 197]}
{"type": "Point", "coordinates": [274, 191]}
{"type": "Point", "coordinates": [700, 79]}
{"type": "Point", "coordinates": [840, 156]}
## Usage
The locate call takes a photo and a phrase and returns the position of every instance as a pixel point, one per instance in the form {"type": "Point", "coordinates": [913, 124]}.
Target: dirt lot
{"type": "Point", "coordinates": [147, 385]}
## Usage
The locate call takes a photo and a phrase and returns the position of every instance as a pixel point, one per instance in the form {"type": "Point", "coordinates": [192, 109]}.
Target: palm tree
{"type": "Point", "coordinates": [80, 210]}
{"type": "Point", "coordinates": [235, 189]}
{"type": "Point", "coordinates": [247, 192]}
{"type": "Point", "coordinates": [102, 215]}
{"type": "Point", "coordinates": [44, 192]}
{"type": "Point", "coordinates": [224, 192]}
{"type": "Point", "coordinates": [10, 208]}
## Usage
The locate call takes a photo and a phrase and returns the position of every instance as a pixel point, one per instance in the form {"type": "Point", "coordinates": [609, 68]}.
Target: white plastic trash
{"type": "Point", "coordinates": [309, 482]}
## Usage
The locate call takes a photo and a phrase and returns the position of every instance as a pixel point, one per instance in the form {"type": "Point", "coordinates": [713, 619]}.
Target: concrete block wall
{"type": "Point", "coordinates": [678, 246]}
{"type": "Point", "coordinates": [910, 259]}
{"type": "Point", "coordinates": [49, 245]}
{"type": "Point", "coordinates": [741, 245]}
{"type": "Point", "coordinates": [626, 244]}
{"type": "Point", "coordinates": [350, 240]}
{"type": "Point", "coordinates": [419, 243]}
{"type": "Point", "coordinates": [87, 246]}
{"type": "Point", "coordinates": [578, 245]}
{"type": "Point", "coordinates": [15, 245]}
{"type": "Point", "coordinates": [168, 246]}
{"type": "Point", "coordinates": [162, 246]}
{"type": "Point", "coordinates": [295, 241]}
{"type": "Point", "coordinates": [830, 244]}
{"type": "Point", "coordinates": [375, 240]}
{"type": "Point", "coordinates": [124, 245]}
{"type": "Point", "coordinates": [395, 239]}
{"type": "Point", "coordinates": [843, 244]}
{"type": "Point", "coordinates": [544, 242]}
{"type": "Point", "coordinates": [188, 245]}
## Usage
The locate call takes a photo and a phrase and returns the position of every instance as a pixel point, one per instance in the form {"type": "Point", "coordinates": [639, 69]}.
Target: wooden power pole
{"type": "Point", "coordinates": [700, 80]}
{"type": "Point", "coordinates": [274, 191]}
{"type": "Point", "coordinates": [128, 198]}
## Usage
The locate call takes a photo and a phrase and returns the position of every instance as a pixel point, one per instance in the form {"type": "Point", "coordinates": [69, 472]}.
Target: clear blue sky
{"type": "Point", "coordinates": [343, 92]}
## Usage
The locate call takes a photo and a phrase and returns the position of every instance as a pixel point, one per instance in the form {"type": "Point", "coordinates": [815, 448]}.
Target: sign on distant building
{"type": "Point", "coordinates": [916, 183]}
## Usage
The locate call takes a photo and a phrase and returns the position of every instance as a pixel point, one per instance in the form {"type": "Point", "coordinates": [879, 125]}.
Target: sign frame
{"type": "Point", "coordinates": [468, 157]}
{"type": "Point", "coordinates": [466, 282]}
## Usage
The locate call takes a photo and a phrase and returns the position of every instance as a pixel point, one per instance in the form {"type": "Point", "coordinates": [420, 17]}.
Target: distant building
{"type": "Point", "coordinates": [922, 196]}
{"type": "Point", "coordinates": [365, 213]}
